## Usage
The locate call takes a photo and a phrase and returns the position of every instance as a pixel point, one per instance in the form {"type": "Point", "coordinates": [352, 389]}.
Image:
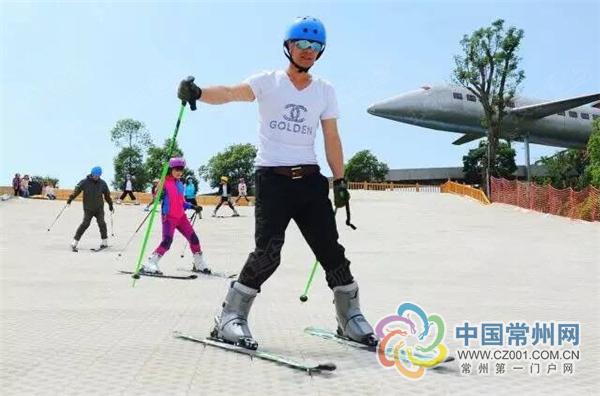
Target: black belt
{"type": "Point", "coordinates": [293, 172]}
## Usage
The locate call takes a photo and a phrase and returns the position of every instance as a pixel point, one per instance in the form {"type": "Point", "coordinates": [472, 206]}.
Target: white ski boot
{"type": "Point", "coordinates": [199, 265]}
{"type": "Point", "coordinates": [231, 325]}
{"type": "Point", "coordinates": [151, 266]}
{"type": "Point", "coordinates": [74, 245]}
{"type": "Point", "coordinates": [351, 322]}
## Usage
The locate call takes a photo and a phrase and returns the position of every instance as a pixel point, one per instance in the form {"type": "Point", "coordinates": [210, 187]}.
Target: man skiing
{"type": "Point", "coordinates": [94, 190]}
{"type": "Point", "coordinates": [289, 185]}
{"type": "Point", "coordinates": [174, 218]}
{"type": "Point", "coordinates": [224, 193]}
{"type": "Point", "coordinates": [128, 190]}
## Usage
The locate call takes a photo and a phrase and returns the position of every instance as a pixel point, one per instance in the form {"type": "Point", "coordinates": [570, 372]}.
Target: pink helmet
{"type": "Point", "coordinates": [177, 162]}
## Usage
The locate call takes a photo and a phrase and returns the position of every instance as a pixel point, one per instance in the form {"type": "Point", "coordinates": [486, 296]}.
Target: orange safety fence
{"type": "Point", "coordinates": [464, 189]}
{"type": "Point", "coordinates": [583, 205]}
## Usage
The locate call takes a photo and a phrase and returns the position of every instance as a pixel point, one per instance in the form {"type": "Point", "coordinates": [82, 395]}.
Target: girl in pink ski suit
{"type": "Point", "coordinates": [174, 218]}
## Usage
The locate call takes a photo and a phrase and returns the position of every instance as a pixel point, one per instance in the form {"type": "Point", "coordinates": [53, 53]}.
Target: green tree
{"type": "Point", "coordinates": [364, 166]}
{"type": "Point", "coordinates": [475, 162]}
{"type": "Point", "coordinates": [130, 161]}
{"type": "Point", "coordinates": [157, 156]}
{"type": "Point", "coordinates": [592, 171]}
{"type": "Point", "coordinates": [488, 67]}
{"type": "Point", "coordinates": [236, 161]}
{"type": "Point", "coordinates": [132, 138]}
{"type": "Point", "coordinates": [44, 180]}
{"type": "Point", "coordinates": [565, 169]}
{"type": "Point", "coordinates": [130, 133]}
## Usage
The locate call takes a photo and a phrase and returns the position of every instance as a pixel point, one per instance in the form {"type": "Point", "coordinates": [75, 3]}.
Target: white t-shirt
{"type": "Point", "coordinates": [289, 118]}
{"type": "Point", "coordinates": [224, 194]}
{"type": "Point", "coordinates": [128, 186]}
{"type": "Point", "coordinates": [242, 188]}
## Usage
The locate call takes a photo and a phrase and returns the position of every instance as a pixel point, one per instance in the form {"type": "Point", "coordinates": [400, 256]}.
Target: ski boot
{"type": "Point", "coordinates": [74, 246]}
{"type": "Point", "coordinates": [231, 326]}
{"type": "Point", "coordinates": [351, 322]}
{"type": "Point", "coordinates": [151, 266]}
{"type": "Point", "coordinates": [214, 213]}
{"type": "Point", "coordinates": [199, 265]}
{"type": "Point", "coordinates": [119, 202]}
{"type": "Point", "coordinates": [235, 213]}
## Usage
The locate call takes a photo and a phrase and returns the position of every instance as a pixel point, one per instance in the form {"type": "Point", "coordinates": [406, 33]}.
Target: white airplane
{"type": "Point", "coordinates": [561, 123]}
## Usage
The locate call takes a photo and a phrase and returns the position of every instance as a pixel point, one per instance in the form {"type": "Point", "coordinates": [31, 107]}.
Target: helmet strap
{"type": "Point", "coordinates": [297, 66]}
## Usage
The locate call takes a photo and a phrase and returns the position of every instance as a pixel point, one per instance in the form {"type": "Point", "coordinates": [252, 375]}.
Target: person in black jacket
{"type": "Point", "coordinates": [128, 190]}
{"type": "Point", "coordinates": [94, 190]}
{"type": "Point", "coordinates": [225, 193]}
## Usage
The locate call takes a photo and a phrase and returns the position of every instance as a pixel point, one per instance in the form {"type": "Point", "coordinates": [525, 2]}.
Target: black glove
{"type": "Point", "coordinates": [189, 92]}
{"type": "Point", "coordinates": [341, 196]}
{"type": "Point", "coordinates": [69, 201]}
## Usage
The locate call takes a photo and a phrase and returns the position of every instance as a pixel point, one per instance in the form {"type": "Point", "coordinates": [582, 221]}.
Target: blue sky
{"type": "Point", "coordinates": [70, 70]}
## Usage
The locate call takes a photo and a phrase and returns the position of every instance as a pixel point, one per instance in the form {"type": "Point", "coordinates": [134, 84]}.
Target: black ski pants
{"type": "Point", "coordinates": [87, 218]}
{"type": "Point", "coordinates": [125, 193]}
{"type": "Point", "coordinates": [280, 199]}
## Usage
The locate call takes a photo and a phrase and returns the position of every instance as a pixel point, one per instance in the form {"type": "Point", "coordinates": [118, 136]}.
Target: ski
{"type": "Point", "coordinates": [260, 354]}
{"type": "Point", "coordinates": [330, 335]}
{"type": "Point", "coordinates": [212, 273]}
{"type": "Point", "coordinates": [150, 275]}
{"type": "Point", "coordinates": [99, 249]}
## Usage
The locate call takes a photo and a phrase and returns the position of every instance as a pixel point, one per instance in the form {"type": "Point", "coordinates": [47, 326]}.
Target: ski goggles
{"type": "Point", "coordinates": [307, 44]}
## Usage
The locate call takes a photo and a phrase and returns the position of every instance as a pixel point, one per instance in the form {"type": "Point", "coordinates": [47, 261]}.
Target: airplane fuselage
{"type": "Point", "coordinates": [456, 109]}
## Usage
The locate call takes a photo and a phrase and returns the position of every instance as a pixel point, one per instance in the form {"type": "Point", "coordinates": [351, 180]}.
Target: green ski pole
{"type": "Point", "coordinates": [163, 175]}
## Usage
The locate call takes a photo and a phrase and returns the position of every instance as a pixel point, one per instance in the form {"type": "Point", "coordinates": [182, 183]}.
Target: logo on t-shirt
{"type": "Point", "coordinates": [295, 116]}
{"type": "Point", "coordinates": [295, 112]}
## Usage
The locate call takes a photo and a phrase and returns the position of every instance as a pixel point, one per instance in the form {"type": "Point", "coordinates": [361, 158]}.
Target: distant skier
{"type": "Point", "coordinates": [155, 183]}
{"type": "Point", "coordinates": [128, 190]}
{"type": "Point", "coordinates": [224, 193]}
{"type": "Point", "coordinates": [242, 191]}
{"type": "Point", "coordinates": [174, 218]}
{"type": "Point", "coordinates": [190, 195]}
{"type": "Point", "coordinates": [94, 189]}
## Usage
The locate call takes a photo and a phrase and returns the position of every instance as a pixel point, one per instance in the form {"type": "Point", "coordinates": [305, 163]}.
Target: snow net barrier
{"type": "Point", "coordinates": [583, 205]}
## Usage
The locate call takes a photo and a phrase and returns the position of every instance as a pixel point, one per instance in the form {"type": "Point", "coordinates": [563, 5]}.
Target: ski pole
{"type": "Point", "coordinates": [59, 214]}
{"type": "Point", "coordinates": [304, 296]}
{"type": "Point", "coordinates": [112, 225]}
{"type": "Point", "coordinates": [192, 219]}
{"type": "Point", "coordinates": [132, 236]}
{"type": "Point", "coordinates": [159, 190]}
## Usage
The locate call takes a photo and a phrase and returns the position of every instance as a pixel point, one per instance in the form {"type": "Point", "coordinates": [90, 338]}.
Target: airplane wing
{"type": "Point", "coordinates": [466, 138]}
{"type": "Point", "coordinates": [541, 110]}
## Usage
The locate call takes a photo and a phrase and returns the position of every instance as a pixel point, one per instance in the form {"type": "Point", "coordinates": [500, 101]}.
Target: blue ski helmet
{"type": "Point", "coordinates": [96, 171]}
{"type": "Point", "coordinates": [306, 28]}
